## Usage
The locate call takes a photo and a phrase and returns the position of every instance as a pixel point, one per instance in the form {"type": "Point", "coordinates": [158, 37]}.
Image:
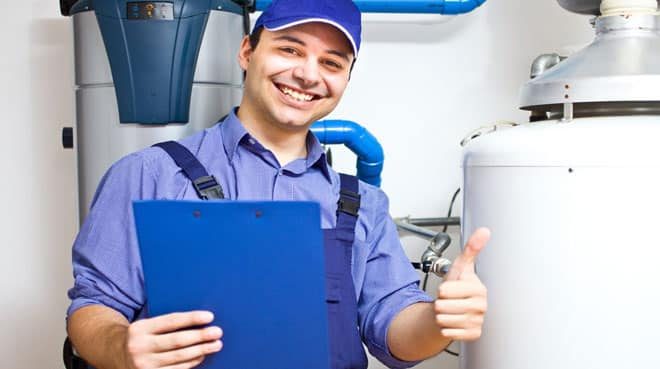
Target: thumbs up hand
{"type": "Point", "coordinates": [462, 298]}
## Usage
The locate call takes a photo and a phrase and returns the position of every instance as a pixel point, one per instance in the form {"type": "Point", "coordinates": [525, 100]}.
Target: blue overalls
{"type": "Point", "coordinates": [346, 350]}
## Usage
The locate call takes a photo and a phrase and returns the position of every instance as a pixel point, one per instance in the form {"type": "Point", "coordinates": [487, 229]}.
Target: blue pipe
{"type": "Point", "coordinates": [370, 153]}
{"type": "Point", "coordinates": [406, 6]}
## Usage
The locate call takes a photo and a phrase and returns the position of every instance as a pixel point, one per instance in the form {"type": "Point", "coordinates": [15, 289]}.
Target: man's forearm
{"type": "Point", "coordinates": [99, 333]}
{"type": "Point", "coordinates": [414, 335]}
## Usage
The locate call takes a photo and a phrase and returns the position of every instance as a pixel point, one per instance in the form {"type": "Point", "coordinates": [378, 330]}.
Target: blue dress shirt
{"type": "Point", "coordinates": [106, 261]}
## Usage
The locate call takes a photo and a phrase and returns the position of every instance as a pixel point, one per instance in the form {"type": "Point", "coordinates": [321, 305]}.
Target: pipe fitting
{"type": "Point", "coordinates": [441, 267]}
{"type": "Point", "coordinates": [544, 62]}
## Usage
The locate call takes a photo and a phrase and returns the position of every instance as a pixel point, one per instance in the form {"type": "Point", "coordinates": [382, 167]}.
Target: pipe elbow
{"type": "Point", "coordinates": [359, 140]}
{"type": "Point", "coordinates": [364, 144]}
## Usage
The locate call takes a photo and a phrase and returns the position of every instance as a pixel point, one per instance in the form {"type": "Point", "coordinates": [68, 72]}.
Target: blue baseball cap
{"type": "Point", "coordinates": [342, 14]}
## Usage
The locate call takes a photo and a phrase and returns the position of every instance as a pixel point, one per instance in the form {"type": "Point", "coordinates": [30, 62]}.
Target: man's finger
{"type": "Point", "coordinates": [461, 334]}
{"type": "Point", "coordinates": [181, 339]}
{"type": "Point", "coordinates": [187, 354]}
{"type": "Point", "coordinates": [462, 306]}
{"type": "Point", "coordinates": [187, 365]}
{"type": "Point", "coordinates": [176, 321]}
{"type": "Point", "coordinates": [461, 289]}
{"type": "Point", "coordinates": [462, 321]}
{"type": "Point", "coordinates": [465, 261]}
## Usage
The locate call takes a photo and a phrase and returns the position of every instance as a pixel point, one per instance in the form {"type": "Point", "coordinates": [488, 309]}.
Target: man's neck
{"type": "Point", "coordinates": [286, 144]}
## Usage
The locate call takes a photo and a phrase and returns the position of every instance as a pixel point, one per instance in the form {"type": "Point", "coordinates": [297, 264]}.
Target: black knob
{"type": "Point", "coordinates": [65, 6]}
{"type": "Point", "coordinates": [67, 137]}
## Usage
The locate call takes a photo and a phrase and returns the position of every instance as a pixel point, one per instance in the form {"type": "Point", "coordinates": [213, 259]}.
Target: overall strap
{"type": "Point", "coordinates": [348, 204]}
{"type": "Point", "coordinates": [346, 350]}
{"type": "Point", "coordinates": [206, 186]}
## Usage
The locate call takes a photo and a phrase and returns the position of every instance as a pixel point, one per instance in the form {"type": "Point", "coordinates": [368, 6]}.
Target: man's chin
{"type": "Point", "coordinates": [295, 121]}
{"type": "Point", "coordinates": [294, 124]}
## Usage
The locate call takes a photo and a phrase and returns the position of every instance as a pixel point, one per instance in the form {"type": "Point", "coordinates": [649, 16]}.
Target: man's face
{"type": "Point", "coordinates": [297, 75]}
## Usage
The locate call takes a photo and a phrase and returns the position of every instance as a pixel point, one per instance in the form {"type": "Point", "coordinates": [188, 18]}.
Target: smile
{"type": "Point", "coordinates": [297, 94]}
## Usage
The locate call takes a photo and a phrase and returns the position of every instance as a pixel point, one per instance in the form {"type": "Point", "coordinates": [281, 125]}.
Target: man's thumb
{"type": "Point", "coordinates": [472, 248]}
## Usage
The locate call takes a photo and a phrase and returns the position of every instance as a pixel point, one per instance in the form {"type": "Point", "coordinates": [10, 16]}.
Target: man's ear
{"type": "Point", "coordinates": [245, 53]}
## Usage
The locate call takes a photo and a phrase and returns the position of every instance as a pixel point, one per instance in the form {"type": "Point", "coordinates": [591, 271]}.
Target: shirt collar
{"type": "Point", "coordinates": [234, 133]}
{"type": "Point", "coordinates": [316, 156]}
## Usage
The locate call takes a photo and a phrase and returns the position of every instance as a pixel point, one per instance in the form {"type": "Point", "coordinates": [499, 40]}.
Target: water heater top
{"type": "Point", "coordinates": [621, 65]}
{"type": "Point", "coordinates": [588, 7]}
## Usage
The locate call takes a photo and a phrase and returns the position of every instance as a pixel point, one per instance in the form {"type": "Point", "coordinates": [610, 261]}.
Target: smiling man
{"type": "Point", "coordinates": [298, 63]}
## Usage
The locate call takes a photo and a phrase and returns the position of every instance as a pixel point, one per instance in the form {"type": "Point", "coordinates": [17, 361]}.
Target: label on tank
{"type": "Point", "coordinates": [150, 10]}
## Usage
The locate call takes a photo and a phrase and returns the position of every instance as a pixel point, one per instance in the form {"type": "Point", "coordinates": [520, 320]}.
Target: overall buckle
{"type": "Point", "coordinates": [349, 202]}
{"type": "Point", "coordinates": [208, 188]}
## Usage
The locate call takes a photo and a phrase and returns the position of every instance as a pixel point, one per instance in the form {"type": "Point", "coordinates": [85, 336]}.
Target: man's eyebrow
{"type": "Point", "coordinates": [302, 43]}
{"type": "Point", "coordinates": [290, 39]}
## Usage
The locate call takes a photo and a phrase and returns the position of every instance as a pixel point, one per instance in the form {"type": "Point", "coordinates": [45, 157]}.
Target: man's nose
{"type": "Point", "coordinates": [307, 73]}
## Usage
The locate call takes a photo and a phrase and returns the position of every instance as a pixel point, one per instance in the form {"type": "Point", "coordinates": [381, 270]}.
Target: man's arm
{"type": "Point", "coordinates": [106, 340]}
{"type": "Point", "coordinates": [423, 330]}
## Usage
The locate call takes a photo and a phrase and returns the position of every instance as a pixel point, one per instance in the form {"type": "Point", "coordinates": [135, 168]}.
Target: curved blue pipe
{"type": "Point", "coordinates": [406, 6]}
{"type": "Point", "coordinates": [370, 153]}
{"type": "Point", "coordinates": [461, 6]}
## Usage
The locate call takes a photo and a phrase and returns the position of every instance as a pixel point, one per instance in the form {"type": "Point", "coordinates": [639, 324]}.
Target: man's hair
{"type": "Point", "coordinates": [255, 36]}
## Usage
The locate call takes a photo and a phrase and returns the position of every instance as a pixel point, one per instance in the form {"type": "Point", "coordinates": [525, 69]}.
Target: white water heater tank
{"type": "Point", "coordinates": [573, 204]}
{"type": "Point", "coordinates": [573, 265]}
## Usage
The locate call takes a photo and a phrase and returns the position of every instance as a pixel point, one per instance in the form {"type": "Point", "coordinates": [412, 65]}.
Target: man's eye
{"type": "Point", "coordinates": [333, 64]}
{"type": "Point", "coordinates": [290, 50]}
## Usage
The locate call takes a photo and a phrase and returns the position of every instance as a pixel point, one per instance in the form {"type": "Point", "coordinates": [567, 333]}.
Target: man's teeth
{"type": "Point", "coordinates": [297, 95]}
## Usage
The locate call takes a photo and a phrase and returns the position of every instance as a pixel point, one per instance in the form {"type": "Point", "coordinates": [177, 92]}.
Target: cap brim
{"type": "Point", "coordinates": [293, 23]}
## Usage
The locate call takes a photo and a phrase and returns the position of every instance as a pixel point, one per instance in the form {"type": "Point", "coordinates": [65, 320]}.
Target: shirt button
{"type": "Point", "coordinates": [252, 141]}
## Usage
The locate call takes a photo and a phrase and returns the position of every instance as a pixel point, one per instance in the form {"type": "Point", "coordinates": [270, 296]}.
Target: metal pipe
{"type": "Point", "coordinates": [370, 153]}
{"type": "Point", "coordinates": [434, 222]}
{"type": "Point", "coordinates": [419, 231]}
{"type": "Point", "coordinates": [406, 6]}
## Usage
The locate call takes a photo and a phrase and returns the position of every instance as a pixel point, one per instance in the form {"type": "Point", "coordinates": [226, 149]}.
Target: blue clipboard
{"type": "Point", "coordinates": [258, 266]}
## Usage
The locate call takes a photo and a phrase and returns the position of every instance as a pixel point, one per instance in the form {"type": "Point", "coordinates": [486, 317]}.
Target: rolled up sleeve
{"type": "Point", "coordinates": [106, 263]}
{"type": "Point", "coordinates": [389, 285]}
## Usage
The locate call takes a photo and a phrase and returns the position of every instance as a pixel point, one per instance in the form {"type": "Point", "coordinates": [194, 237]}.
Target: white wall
{"type": "Point", "coordinates": [38, 184]}
{"type": "Point", "coordinates": [419, 89]}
